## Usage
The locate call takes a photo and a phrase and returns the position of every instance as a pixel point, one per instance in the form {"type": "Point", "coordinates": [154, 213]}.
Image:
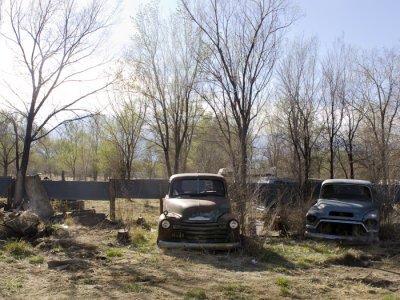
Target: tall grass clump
{"type": "Point", "coordinates": [386, 198]}
{"type": "Point", "coordinates": [18, 249]}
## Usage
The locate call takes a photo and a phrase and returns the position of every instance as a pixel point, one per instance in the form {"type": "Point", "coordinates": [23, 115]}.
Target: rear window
{"type": "Point", "coordinates": [197, 186]}
{"type": "Point", "coordinates": [345, 192]}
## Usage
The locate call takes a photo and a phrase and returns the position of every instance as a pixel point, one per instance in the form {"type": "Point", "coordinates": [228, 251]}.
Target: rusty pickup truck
{"type": "Point", "coordinates": [197, 214]}
{"type": "Point", "coordinates": [345, 210]}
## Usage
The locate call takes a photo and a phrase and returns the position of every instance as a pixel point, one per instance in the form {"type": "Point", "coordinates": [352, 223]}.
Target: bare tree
{"type": "Point", "coordinates": [334, 72]}
{"type": "Point", "coordinates": [70, 146]}
{"type": "Point", "coordinates": [52, 40]}
{"type": "Point", "coordinates": [353, 112]}
{"type": "Point", "coordinates": [243, 42]}
{"type": "Point", "coordinates": [166, 63]}
{"type": "Point", "coordinates": [381, 92]}
{"type": "Point", "coordinates": [299, 89]}
{"type": "Point", "coordinates": [8, 141]}
{"type": "Point", "coordinates": [124, 128]}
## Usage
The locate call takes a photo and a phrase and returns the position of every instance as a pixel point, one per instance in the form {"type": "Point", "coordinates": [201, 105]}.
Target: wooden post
{"type": "Point", "coordinates": [160, 195]}
{"type": "Point", "coordinates": [112, 199]}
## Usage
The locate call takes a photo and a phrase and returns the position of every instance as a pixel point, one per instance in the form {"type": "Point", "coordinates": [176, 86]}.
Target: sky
{"type": "Point", "coordinates": [366, 24]}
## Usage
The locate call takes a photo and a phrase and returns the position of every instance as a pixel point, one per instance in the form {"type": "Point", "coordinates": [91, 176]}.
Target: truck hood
{"type": "Point", "coordinates": [331, 208]}
{"type": "Point", "coordinates": [201, 209]}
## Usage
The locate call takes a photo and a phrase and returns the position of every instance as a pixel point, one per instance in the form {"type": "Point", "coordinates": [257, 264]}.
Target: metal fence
{"type": "Point", "coordinates": [5, 181]}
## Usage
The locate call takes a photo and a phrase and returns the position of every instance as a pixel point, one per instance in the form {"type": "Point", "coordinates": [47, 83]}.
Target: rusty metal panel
{"type": "Point", "coordinates": [77, 190]}
{"type": "Point", "coordinates": [141, 188]}
{"type": "Point", "coordinates": [4, 181]}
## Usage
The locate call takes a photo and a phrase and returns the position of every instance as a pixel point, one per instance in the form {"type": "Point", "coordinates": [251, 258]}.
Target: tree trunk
{"type": "Point", "coordinates": [20, 183]}
{"type": "Point", "coordinates": [168, 163]}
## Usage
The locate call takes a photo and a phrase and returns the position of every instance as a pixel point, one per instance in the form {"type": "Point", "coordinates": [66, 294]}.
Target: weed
{"type": "Point", "coordinates": [234, 290]}
{"type": "Point", "coordinates": [57, 249]}
{"type": "Point", "coordinates": [11, 286]}
{"type": "Point", "coordinates": [10, 260]}
{"type": "Point", "coordinates": [69, 221]}
{"type": "Point", "coordinates": [142, 241]}
{"type": "Point", "coordinates": [36, 260]}
{"type": "Point", "coordinates": [136, 288]}
{"type": "Point", "coordinates": [139, 239]}
{"type": "Point", "coordinates": [114, 253]}
{"type": "Point", "coordinates": [284, 292]}
{"type": "Point", "coordinates": [19, 249]}
{"type": "Point", "coordinates": [391, 297]}
{"type": "Point", "coordinates": [87, 281]}
{"type": "Point", "coordinates": [196, 294]}
{"type": "Point", "coordinates": [278, 269]}
{"type": "Point", "coordinates": [283, 282]}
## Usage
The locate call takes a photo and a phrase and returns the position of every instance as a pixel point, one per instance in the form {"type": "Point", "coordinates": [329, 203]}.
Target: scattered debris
{"type": "Point", "coordinates": [18, 224]}
{"type": "Point", "coordinates": [87, 217]}
{"type": "Point", "coordinates": [62, 264]}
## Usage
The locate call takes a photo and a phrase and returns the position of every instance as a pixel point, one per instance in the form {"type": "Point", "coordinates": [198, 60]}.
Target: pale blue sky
{"type": "Point", "coordinates": [366, 24]}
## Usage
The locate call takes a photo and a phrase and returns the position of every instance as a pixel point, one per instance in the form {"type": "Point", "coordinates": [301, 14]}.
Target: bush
{"type": "Point", "coordinates": [386, 197]}
{"type": "Point", "coordinates": [19, 249]}
{"type": "Point", "coordinates": [196, 294]}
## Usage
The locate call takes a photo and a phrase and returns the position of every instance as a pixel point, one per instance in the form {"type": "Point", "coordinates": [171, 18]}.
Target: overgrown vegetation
{"type": "Point", "coordinates": [196, 294]}
{"type": "Point", "coordinates": [19, 249]}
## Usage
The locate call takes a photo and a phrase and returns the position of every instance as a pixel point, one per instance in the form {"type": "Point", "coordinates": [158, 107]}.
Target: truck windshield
{"type": "Point", "coordinates": [345, 192]}
{"type": "Point", "coordinates": [197, 187]}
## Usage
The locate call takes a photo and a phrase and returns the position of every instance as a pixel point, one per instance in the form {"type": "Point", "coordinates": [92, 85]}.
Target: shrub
{"type": "Point", "coordinates": [114, 253]}
{"type": "Point", "coordinates": [196, 294]}
{"type": "Point", "coordinates": [386, 198]}
{"type": "Point", "coordinates": [36, 260]}
{"type": "Point", "coordinates": [19, 249]}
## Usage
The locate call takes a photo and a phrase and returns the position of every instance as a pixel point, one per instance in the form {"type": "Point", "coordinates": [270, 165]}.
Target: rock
{"type": "Point", "coordinates": [38, 202]}
{"type": "Point", "coordinates": [62, 264]}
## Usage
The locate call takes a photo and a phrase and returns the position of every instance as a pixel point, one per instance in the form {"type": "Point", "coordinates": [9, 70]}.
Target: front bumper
{"type": "Point", "coordinates": [370, 235]}
{"type": "Point", "coordinates": [180, 245]}
{"type": "Point", "coordinates": [369, 238]}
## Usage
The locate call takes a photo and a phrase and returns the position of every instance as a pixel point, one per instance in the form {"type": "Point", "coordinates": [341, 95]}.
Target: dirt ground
{"type": "Point", "coordinates": [98, 266]}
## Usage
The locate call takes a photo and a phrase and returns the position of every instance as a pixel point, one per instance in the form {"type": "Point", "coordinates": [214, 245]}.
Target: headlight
{"type": "Point", "coordinates": [371, 223]}
{"type": "Point", "coordinates": [165, 224]}
{"type": "Point", "coordinates": [311, 218]}
{"type": "Point", "coordinates": [371, 219]}
{"type": "Point", "coordinates": [233, 224]}
{"type": "Point", "coordinates": [372, 215]}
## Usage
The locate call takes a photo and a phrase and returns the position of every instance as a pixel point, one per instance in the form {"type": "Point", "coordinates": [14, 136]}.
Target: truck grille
{"type": "Point", "coordinates": [341, 229]}
{"type": "Point", "coordinates": [201, 232]}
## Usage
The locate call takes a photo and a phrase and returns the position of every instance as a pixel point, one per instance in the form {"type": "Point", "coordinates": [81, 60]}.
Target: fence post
{"type": "Point", "coordinates": [112, 199]}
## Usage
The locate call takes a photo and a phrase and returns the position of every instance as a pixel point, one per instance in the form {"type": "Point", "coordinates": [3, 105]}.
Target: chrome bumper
{"type": "Point", "coordinates": [175, 245]}
{"type": "Point", "coordinates": [340, 222]}
{"type": "Point", "coordinates": [373, 238]}
{"type": "Point", "coordinates": [372, 234]}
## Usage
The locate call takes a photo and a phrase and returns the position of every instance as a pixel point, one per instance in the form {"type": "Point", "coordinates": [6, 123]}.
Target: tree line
{"type": "Point", "coordinates": [212, 85]}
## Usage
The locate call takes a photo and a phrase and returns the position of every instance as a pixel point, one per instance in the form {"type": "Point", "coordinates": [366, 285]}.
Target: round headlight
{"type": "Point", "coordinates": [370, 223]}
{"type": "Point", "coordinates": [165, 224]}
{"type": "Point", "coordinates": [311, 218]}
{"type": "Point", "coordinates": [233, 224]}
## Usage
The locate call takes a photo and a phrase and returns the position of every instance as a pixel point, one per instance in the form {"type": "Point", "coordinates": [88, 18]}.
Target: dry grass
{"type": "Point", "coordinates": [106, 269]}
